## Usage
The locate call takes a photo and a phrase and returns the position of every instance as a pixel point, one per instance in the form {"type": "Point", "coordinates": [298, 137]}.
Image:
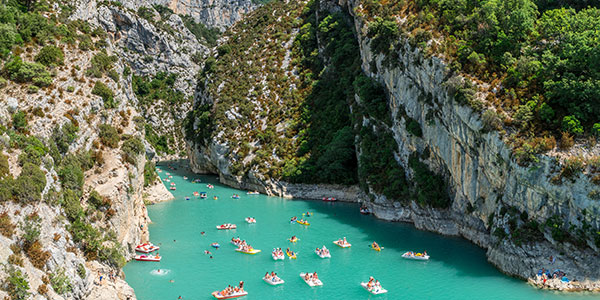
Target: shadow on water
{"type": "Point", "coordinates": [440, 248]}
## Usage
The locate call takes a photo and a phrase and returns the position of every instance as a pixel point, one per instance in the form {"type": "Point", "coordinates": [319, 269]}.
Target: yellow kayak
{"type": "Point", "coordinates": [303, 223]}
{"type": "Point", "coordinates": [291, 256]}
{"type": "Point", "coordinates": [251, 251]}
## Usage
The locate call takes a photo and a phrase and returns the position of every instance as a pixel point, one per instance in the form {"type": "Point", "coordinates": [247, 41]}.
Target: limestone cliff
{"type": "Point", "coordinates": [522, 215]}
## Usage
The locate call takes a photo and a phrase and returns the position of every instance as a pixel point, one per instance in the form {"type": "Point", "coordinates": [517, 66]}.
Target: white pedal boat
{"type": "Point", "coordinates": [341, 244]}
{"type": "Point", "coordinates": [148, 258]}
{"type": "Point", "coordinates": [417, 256]}
{"type": "Point", "coordinates": [273, 281]}
{"type": "Point", "coordinates": [277, 257]}
{"type": "Point", "coordinates": [373, 290]}
{"type": "Point", "coordinates": [328, 255]}
{"type": "Point", "coordinates": [250, 220]}
{"type": "Point", "coordinates": [311, 281]}
{"type": "Point", "coordinates": [226, 226]}
{"type": "Point", "coordinates": [218, 295]}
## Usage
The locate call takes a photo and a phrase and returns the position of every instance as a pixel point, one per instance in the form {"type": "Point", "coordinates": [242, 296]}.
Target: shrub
{"type": "Point", "coordinates": [150, 175]}
{"type": "Point", "coordinates": [31, 229]}
{"type": "Point", "coordinates": [71, 173]}
{"type": "Point", "coordinates": [7, 228]}
{"type": "Point", "coordinates": [132, 147]}
{"type": "Point", "coordinates": [106, 93]}
{"type": "Point", "coordinates": [97, 201]}
{"type": "Point", "coordinates": [546, 113]}
{"type": "Point", "coordinates": [63, 136]}
{"type": "Point", "coordinates": [413, 127]}
{"type": "Point", "coordinates": [372, 94]}
{"type": "Point", "coordinates": [4, 167]}
{"type": "Point", "coordinates": [596, 130]}
{"type": "Point", "coordinates": [384, 34]}
{"type": "Point", "coordinates": [572, 167]}
{"type": "Point", "coordinates": [491, 120]}
{"type": "Point", "coordinates": [42, 289]}
{"type": "Point", "coordinates": [112, 256]}
{"type": "Point", "coordinates": [60, 282]}
{"type": "Point", "coordinates": [108, 135]}
{"type": "Point", "coordinates": [23, 72]}
{"type": "Point", "coordinates": [30, 184]}
{"type": "Point", "coordinates": [50, 55]}
{"type": "Point", "coordinates": [101, 63]}
{"type": "Point", "coordinates": [37, 256]}
{"type": "Point", "coordinates": [566, 141]}
{"type": "Point", "coordinates": [81, 271]}
{"type": "Point", "coordinates": [19, 121]}
{"type": "Point", "coordinates": [572, 125]}
{"type": "Point", "coordinates": [16, 284]}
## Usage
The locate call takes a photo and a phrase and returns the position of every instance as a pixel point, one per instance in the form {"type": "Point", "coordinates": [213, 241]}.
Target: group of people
{"type": "Point", "coordinates": [289, 252]}
{"type": "Point", "coordinates": [313, 277]}
{"type": "Point", "coordinates": [237, 241]}
{"type": "Point", "coordinates": [373, 284]}
{"type": "Point", "coordinates": [416, 254]}
{"type": "Point", "coordinates": [322, 251]}
{"type": "Point", "coordinates": [342, 241]}
{"type": "Point", "coordinates": [272, 276]}
{"type": "Point", "coordinates": [278, 251]}
{"type": "Point", "coordinates": [230, 290]}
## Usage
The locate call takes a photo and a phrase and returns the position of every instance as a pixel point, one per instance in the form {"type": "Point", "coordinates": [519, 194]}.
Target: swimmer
{"type": "Point", "coordinates": [202, 233]}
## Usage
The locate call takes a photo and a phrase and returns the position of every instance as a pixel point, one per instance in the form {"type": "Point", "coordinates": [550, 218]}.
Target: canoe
{"type": "Point", "coordinates": [375, 290]}
{"type": "Point", "coordinates": [270, 281]}
{"type": "Point", "coordinates": [251, 251]}
{"type": "Point", "coordinates": [218, 295]}
{"type": "Point", "coordinates": [250, 220]}
{"type": "Point", "coordinates": [415, 257]}
{"type": "Point", "coordinates": [346, 245]}
{"type": "Point", "coordinates": [310, 281]}
{"type": "Point", "coordinates": [225, 227]}
{"type": "Point", "coordinates": [146, 248]}
{"type": "Point", "coordinates": [328, 255]}
{"type": "Point", "coordinates": [376, 248]}
{"type": "Point", "coordinates": [277, 257]}
{"type": "Point", "coordinates": [148, 258]}
{"type": "Point", "coordinates": [303, 223]}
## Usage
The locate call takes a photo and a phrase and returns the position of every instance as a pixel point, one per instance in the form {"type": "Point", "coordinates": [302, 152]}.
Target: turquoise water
{"type": "Point", "coordinates": [457, 269]}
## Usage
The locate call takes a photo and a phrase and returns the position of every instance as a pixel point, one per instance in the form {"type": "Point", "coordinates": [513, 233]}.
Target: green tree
{"type": "Point", "coordinates": [572, 125]}
{"type": "Point", "coordinates": [50, 55]}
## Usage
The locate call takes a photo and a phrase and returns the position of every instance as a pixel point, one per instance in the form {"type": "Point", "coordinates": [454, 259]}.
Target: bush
{"type": "Point", "coordinates": [572, 125]}
{"type": "Point", "coordinates": [30, 184]}
{"type": "Point", "coordinates": [4, 167]}
{"type": "Point", "coordinates": [596, 130]}
{"type": "Point", "coordinates": [566, 141]}
{"type": "Point", "coordinates": [150, 175]}
{"type": "Point", "coordinates": [413, 127]}
{"type": "Point", "coordinates": [24, 72]}
{"type": "Point", "coordinates": [372, 94]}
{"type": "Point", "coordinates": [37, 256]}
{"type": "Point", "coordinates": [31, 229]}
{"type": "Point", "coordinates": [491, 120]}
{"type": "Point", "coordinates": [63, 136]}
{"type": "Point", "coordinates": [106, 93]}
{"type": "Point", "coordinates": [19, 121]}
{"type": "Point", "coordinates": [132, 147]}
{"type": "Point", "coordinates": [384, 34]}
{"type": "Point", "coordinates": [60, 282]}
{"type": "Point", "coordinates": [101, 63]}
{"type": "Point", "coordinates": [71, 173]}
{"type": "Point", "coordinates": [50, 55]}
{"type": "Point", "coordinates": [16, 284]}
{"type": "Point", "coordinates": [97, 201]}
{"type": "Point", "coordinates": [108, 135]}
{"type": "Point", "coordinates": [112, 256]}
{"type": "Point", "coordinates": [7, 228]}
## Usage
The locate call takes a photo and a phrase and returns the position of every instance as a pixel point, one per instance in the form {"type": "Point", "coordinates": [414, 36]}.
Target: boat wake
{"type": "Point", "coordinates": [160, 272]}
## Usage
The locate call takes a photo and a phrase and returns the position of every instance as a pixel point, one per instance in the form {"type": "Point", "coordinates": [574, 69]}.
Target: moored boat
{"type": "Point", "coordinates": [146, 248]}
{"type": "Point", "coordinates": [144, 257]}
{"type": "Point", "coordinates": [311, 280]}
{"type": "Point", "coordinates": [329, 199]}
{"type": "Point", "coordinates": [416, 256]}
{"type": "Point", "coordinates": [172, 188]}
{"type": "Point", "coordinates": [226, 226]}
{"type": "Point", "coordinates": [365, 210]}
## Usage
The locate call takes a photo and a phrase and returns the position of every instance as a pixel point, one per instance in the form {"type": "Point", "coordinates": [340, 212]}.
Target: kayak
{"type": "Point", "coordinates": [277, 257]}
{"type": "Point", "coordinates": [148, 258]}
{"type": "Point", "coordinates": [215, 245]}
{"type": "Point", "coordinates": [303, 223]}
{"type": "Point", "coordinates": [218, 295]}
{"type": "Point", "coordinates": [376, 248]}
{"type": "Point", "coordinates": [273, 280]}
{"type": "Point", "coordinates": [252, 193]}
{"type": "Point", "coordinates": [291, 255]}
{"type": "Point", "coordinates": [250, 220]}
{"type": "Point", "coordinates": [294, 240]}
{"type": "Point", "coordinates": [226, 226]}
{"type": "Point", "coordinates": [146, 248]}
{"type": "Point", "coordinates": [373, 290]}
{"type": "Point", "coordinates": [418, 256]}
{"type": "Point", "coordinates": [251, 251]}
{"type": "Point", "coordinates": [346, 245]}
{"type": "Point", "coordinates": [328, 255]}
{"type": "Point", "coordinates": [310, 281]}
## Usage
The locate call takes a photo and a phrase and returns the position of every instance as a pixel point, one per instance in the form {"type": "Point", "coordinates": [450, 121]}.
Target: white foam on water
{"type": "Point", "coordinates": [162, 272]}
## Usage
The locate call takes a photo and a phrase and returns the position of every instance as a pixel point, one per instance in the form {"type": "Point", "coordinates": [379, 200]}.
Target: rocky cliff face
{"type": "Point", "coordinates": [493, 199]}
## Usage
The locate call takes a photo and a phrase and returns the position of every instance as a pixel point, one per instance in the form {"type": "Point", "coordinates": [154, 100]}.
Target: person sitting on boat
{"type": "Point", "coordinates": [273, 274]}
{"type": "Point", "coordinates": [424, 253]}
{"type": "Point", "coordinates": [267, 275]}
{"type": "Point", "coordinates": [315, 276]}
{"type": "Point", "coordinates": [345, 242]}
{"type": "Point", "coordinates": [306, 277]}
